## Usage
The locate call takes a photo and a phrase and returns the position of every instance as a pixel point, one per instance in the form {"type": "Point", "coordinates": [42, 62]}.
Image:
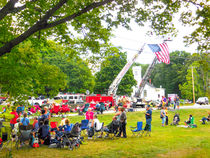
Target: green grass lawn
{"type": "Point", "coordinates": [169, 141]}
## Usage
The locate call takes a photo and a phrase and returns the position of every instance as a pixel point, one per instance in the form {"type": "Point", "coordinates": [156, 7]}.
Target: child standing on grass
{"type": "Point", "coordinates": [163, 116]}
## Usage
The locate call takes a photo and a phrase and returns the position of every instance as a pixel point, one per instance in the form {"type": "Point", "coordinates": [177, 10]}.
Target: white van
{"type": "Point", "coordinates": [72, 98]}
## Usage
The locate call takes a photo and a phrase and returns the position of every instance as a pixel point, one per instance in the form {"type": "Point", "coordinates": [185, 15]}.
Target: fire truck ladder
{"type": "Point", "coordinates": [114, 86]}
{"type": "Point", "coordinates": [145, 78]}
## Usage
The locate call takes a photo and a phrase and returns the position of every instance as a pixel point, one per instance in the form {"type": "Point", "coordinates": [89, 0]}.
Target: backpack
{"type": "Point", "coordinates": [43, 118]}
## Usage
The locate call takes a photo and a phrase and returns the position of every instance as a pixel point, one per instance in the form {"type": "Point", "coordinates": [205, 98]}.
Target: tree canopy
{"type": "Point", "coordinates": [85, 25]}
{"type": "Point", "coordinates": [110, 68]}
{"type": "Point", "coordinates": [176, 77]}
{"type": "Point", "coordinates": [79, 76]}
{"type": "Point", "coordinates": [24, 74]}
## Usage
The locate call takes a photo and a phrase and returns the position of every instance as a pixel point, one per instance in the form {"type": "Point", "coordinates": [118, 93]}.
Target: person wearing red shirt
{"type": "Point", "coordinates": [14, 120]}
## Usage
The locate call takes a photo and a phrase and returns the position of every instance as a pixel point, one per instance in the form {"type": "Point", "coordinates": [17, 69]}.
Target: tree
{"type": "Point", "coordinates": [186, 88]}
{"type": "Point", "coordinates": [24, 74]}
{"type": "Point", "coordinates": [93, 21]}
{"type": "Point", "coordinates": [110, 68]}
{"type": "Point", "coordinates": [173, 74]}
{"type": "Point", "coordinates": [79, 76]}
{"type": "Point", "coordinates": [176, 77]}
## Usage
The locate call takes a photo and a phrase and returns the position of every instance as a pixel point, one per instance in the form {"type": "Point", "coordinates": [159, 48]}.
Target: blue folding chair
{"type": "Point", "coordinates": [138, 129]}
{"type": "Point", "coordinates": [84, 125]}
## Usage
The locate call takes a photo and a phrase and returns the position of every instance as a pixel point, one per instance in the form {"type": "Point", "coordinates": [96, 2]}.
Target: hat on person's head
{"type": "Point", "coordinates": [148, 106]}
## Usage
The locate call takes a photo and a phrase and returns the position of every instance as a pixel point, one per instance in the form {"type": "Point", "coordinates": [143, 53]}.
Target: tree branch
{"type": "Point", "coordinates": [42, 23]}
{"type": "Point", "coordinates": [189, 1]}
{"type": "Point", "coordinates": [10, 8]}
{"type": "Point", "coordinates": [7, 8]}
{"type": "Point", "coordinates": [36, 27]}
{"type": "Point", "coordinates": [85, 10]}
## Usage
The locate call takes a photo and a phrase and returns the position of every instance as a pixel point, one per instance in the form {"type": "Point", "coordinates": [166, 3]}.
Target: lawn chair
{"type": "Point", "coordinates": [53, 126]}
{"type": "Point", "coordinates": [84, 125]}
{"type": "Point", "coordinates": [55, 109]}
{"type": "Point", "coordinates": [24, 135]}
{"type": "Point", "coordinates": [113, 129]}
{"type": "Point", "coordinates": [138, 129]}
{"type": "Point", "coordinates": [97, 132]}
{"type": "Point", "coordinates": [64, 109]}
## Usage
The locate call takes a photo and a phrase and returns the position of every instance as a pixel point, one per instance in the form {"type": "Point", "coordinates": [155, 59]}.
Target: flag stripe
{"type": "Point", "coordinates": [161, 51]}
{"type": "Point", "coordinates": [165, 47]}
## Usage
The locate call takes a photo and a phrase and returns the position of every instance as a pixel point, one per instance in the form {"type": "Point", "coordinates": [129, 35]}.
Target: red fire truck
{"type": "Point", "coordinates": [92, 99]}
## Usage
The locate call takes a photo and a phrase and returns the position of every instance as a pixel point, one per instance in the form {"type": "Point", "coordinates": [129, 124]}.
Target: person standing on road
{"type": "Point", "coordinates": [148, 116]}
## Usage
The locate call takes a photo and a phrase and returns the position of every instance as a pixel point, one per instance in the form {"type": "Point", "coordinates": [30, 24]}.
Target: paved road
{"type": "Point", "coordinates": [196, 106]}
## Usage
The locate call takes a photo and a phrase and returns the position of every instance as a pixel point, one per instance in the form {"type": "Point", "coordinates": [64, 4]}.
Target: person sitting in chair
{"type": "Point", "coordinates": [95, 124]}
{"type": "Point", "coordinates": [25, 121]}
{"type": "Point", "coordinates": [67, 126]}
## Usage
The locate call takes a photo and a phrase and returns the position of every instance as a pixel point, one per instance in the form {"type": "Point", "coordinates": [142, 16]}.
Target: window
{"type": "Point", "coordinates": [158, 95]}
{"type": "Point", "coordinates": [145, 93]}
{"type": "Point", "coordinates": [136, 73]}
{"type": "Point", "coordinates": [75, 97]}
{"type": "Point", "coordinates": [65, 97]}
{"type": "Point", "coordinates": [70, 97]}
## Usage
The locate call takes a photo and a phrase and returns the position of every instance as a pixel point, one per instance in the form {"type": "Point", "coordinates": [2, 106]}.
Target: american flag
{"type": "Point", "coordinates": [161, 51]}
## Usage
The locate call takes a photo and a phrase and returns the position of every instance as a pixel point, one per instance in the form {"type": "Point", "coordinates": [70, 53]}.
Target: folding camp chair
{"type": "Point", "coordinates": [84, 125]}
{"type": "Point", "coordinates": [24, 135]}
{"type": "Point", "coordinates": [97, 132]}
{"type": "Point", "coordinates": [138, 129]}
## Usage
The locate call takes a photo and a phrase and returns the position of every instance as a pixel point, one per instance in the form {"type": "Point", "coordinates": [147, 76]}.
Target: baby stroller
{"type": "Point", "coordinates": [176, 120]}
{"type": "Point", "coordinates": [24, 135]}
{"type": "Point", "coordinates": [112, 129]}
{"type": "Point", "coordinates": [68, 140]}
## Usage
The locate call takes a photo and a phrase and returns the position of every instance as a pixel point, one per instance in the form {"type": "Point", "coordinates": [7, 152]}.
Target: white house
{"type": "Point", "coordinates": [149, 92]}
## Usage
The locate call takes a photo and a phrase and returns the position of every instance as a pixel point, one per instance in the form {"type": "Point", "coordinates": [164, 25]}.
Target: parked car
{"type": "Point", "coordinates": [202, 100]}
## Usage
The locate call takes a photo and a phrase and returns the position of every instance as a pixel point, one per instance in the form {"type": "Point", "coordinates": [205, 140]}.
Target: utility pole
{"type": "Point", "coordinates": [193, 87]}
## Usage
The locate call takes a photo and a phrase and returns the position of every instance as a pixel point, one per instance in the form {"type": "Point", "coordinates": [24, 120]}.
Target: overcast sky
{"type": "Point", "coordinates": [131, 41]}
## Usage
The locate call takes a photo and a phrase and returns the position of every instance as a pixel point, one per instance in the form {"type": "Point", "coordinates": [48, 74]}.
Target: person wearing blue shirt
{"type": "Point", "coordinates": [43, 117]}
{"type": "Point", "coordinates": [67, 126]}
{"type": "Point", "coordinates": [25, 121]}
{"type": "Point", "coordinates": [148, 116]}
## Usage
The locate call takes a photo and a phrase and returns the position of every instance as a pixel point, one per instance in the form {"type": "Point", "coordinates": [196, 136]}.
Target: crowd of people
{"type": "Point", "coordinates": [43, 129]}
{"type": "Point", "coordinates": [166, 102]}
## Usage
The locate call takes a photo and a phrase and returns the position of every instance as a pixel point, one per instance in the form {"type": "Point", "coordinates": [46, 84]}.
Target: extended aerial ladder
{"type": "Point", "coordinates": [114, 86]}
{"type": "Point", "coordinates": [145, 78]}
